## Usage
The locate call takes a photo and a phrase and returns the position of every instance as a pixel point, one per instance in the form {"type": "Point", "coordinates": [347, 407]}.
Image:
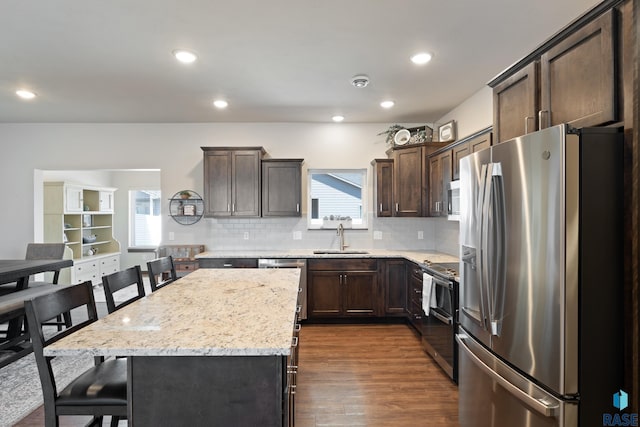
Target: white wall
{"type": "Point", "coordinates": [473, 115]}
{"type": "Point", "coordinates": [174, 149]}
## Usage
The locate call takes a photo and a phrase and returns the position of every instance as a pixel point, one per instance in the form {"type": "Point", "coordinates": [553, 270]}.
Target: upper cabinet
{"type": "Point", "coordinates": [281, 187]}
{"type": "Point", "coordinates": [472, 145]}
{"type": "Point", "coordinates": [439, 178]}
{"type": "Point", "coordinates": [571, 79]}
{"type": "Point", "coordinates": [407, 174]}
{"type": "Point", "coordinates": [232, 181]}
{"type": "Point", "coordinates": [383, 187]}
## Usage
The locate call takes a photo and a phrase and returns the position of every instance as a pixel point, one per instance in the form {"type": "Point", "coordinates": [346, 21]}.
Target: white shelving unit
{"type": "Point", "coordinates": [82, 218]}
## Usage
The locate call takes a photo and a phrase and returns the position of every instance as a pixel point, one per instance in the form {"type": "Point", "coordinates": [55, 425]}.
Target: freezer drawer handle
{"type": "Point", "coordinates": [548, 410]}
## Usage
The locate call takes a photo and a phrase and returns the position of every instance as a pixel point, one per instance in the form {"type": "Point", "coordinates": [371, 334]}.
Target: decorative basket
{"type": "Point", "coordinates": [89, 239]}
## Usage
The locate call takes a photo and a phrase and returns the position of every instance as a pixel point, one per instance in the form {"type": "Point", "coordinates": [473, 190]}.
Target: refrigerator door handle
{"type": "Point", "coordinates": [548, 409]}
{"type": "Point", "coordinates": [484, 202]}
{"type": "Point", "coordinates": [496, 248]}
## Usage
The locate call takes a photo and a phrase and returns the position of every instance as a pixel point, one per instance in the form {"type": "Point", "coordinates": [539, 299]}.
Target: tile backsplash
{"type": "Point", "coordinates": [291, 233]}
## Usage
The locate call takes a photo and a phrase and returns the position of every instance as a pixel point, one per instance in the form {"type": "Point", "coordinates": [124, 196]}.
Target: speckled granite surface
{"type": "Point", "coordinates": [415, 256]}
{"type": "Point", "coordinates": [210, 312]}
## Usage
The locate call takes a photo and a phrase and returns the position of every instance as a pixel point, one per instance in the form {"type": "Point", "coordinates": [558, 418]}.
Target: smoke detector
{"type": "Point", "coordinates": [360, 80]}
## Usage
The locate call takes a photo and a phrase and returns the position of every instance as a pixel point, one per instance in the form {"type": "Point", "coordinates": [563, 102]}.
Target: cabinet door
{"type": "Point", "coordinates": [73, 199]}
{"type": "Point", "coordinates": [446, 164]}
{"type": "Point", "coordinates": [435, 186]}
{"type": "Point", "coordinates": [383, 203]}
{"type": "Point", "coordinates": [217, 183]}
{"type": "Point", "coordinates": [578, 84]}
{"type": "Point", "coordinates": [359, 293]}
{"type": "Point", "coordinates": [459, 152]}
{"type": "Point", "coordinates": [105, 201]}
{"type": "Point", "coordinates": [515, 104]}
{"type": "Point", "coordinates": [408, 181]}
{"type": "Point", "coordinates": [325, 294]}
{"type": "Point", "coordinates": [395, 288]}
{"type": "Point", "coordinates": [246, 180]}
{"type": "Point", "coordinates": [281, 188]}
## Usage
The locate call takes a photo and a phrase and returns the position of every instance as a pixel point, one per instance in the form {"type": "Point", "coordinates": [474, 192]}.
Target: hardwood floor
{"type": "Point", "coordinates": [370, 375]}
{"type": "Point", "coordinates": [359, 375]}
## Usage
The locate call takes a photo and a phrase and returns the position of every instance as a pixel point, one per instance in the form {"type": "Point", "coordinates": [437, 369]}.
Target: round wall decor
{"type": "Point", "coordinates": [186, 207]}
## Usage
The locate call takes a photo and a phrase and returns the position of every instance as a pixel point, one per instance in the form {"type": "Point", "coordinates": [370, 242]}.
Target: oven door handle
{"type": "Point", "coordinates": [444, 319]}
{"type": "Point", "coordinates": [438, 281]}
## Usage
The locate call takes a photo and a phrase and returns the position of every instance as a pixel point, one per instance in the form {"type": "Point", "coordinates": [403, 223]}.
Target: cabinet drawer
{"type": "Point", "coordinates": [228, 262]}
{"type": "Point", "coordinates": [343, 264]}
{"type": "Point", "coordinates": [86, 271]}
{"type": "Point", "coordinates": [186, 267]}
{"type": "Point", "coordinates": [109, 265]}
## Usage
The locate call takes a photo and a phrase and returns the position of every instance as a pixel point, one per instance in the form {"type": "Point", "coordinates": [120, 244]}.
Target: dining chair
{"type": "Point", "coordinates": [102, 389]}
{"type": "Point", "coordinates": [160, 268]}
{"type": "Point", "coordinates": [119, 281]}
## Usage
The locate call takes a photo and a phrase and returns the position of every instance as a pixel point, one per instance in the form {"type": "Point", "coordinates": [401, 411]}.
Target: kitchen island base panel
{"type": "Point", "coordinates": [205, 390]}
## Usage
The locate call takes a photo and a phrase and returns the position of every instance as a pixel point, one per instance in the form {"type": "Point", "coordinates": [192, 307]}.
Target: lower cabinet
{"type": "Point", "coordinates": [343, 288]}
{"type": "Point", "coordinates": [395, 287]}
{"type": "Point", "coordinates": [415, 295]}
{"type": "Point", "coordinates": [93, 269]}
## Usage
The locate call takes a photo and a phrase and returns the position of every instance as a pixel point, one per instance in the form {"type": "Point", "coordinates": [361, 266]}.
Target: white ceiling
{"type": "Point", "coordinates": [274, 61]}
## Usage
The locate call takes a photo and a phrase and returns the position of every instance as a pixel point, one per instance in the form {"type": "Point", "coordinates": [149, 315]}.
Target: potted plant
{"type": "Point", "coordinates": [185, 194]}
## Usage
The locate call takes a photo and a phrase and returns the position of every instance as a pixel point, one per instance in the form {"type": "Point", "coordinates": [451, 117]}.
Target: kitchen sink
{"type": "Point", "coordinates": [336, 251]}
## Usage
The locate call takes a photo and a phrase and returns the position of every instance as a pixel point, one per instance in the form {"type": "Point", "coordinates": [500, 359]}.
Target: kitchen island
{"type": "Point", "coordinates": [210, 349]}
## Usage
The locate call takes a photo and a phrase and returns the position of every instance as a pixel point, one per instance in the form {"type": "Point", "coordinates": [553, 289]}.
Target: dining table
{"type": "Point", "coordinates": [19, 270]}
{"type": "Point", "coordinates": [15, 343]}
{"type": "Point", "coordinates": [213, 348]}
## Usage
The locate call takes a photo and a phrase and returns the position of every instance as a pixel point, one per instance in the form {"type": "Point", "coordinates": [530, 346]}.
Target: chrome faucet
{"type": "Point", "coordinates": [340, 232]}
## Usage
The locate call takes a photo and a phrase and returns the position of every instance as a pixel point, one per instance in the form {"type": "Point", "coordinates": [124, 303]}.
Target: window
{"type": "Point", "coordinates": [337, 196]}
{"type": "Point", "coordinates": [144, 218]}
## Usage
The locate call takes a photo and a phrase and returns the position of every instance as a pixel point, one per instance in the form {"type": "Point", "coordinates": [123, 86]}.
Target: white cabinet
{"type": "Point", "coordinates": [82, 218]}
{"type": "Point", "coordinates": [73, 199]}
{"type": "Point", "coordinates": [105, 202]}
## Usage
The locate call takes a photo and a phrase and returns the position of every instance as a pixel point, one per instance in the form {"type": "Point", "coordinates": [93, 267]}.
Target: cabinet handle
{"type": "Point", "coordinates": [227, 265]}
{"type": "Point", "coordinates": [294, 343]}
{"type": "Point", "coordinates": [380, 207]}
{"type": "Point", "coordinates": [542, 113]}
{"type": "Point", "coordinates": [396, 207]}
{"type": "Point", "coordinates": [228, 208]}
{"type": "Point", "coordinates": [297, 328]}
{"type": "Point", "coordinates": [526, 124]}
{"type": "Point", "coordinates": [297, 207]}
{"type": "Point", "coordinates": [233, 207]}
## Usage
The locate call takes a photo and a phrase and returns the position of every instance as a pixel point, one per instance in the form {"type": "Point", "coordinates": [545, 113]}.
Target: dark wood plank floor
{"type": "Point", "coordinates": [370, 375]}
{"type": "Point", "coordinates": [358, 375]}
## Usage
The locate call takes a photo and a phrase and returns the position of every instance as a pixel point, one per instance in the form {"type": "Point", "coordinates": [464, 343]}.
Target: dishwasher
{"type": "Point", "coordinates": [291, 263]}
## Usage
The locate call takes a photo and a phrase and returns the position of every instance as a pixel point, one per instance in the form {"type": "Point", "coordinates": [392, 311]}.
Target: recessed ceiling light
{"type": "Point", "coordinates": [185, 56]}
{"type": "Point", "coordinates": [25, 94]}
{"type": "Point", "coordinates": [220, 103]}
{"type": "Point", "coordinates": [387, 104]}
{"type": "Point", "coordinates": [337, 118]}
{"type": "Point", "coordinates": [421, 58]}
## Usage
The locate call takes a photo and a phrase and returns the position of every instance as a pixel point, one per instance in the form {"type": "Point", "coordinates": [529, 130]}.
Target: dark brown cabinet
{"type": "Point", "coordinates": [414, 304]}
{"type": "Point", "coordinates": [474, 144]}
{"type": "Point", "coordinates": [281, 187]}
{"type": "Point", "coordinates": [383, 187]}
{"type": "Point", "coordinates": [232, 178]}
{"type": "Point", "coordinates": [573, 80]}
{"type": "Point", "coordinates": [343, 288]}
{"type": "Point", "coordinates": [395, 287]}
{"type": "Point", "coordinates": [578, 77]}
{"type": "Point", "coordinates": [407, 174]}
{"type": "Point", "coordinates": [439, 178]}
{"type": "Point", "coordinates": [515, 104]}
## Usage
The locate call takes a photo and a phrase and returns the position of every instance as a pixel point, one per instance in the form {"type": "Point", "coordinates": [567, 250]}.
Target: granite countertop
{"type": "Point", "coordinates": [210, 312]}
{"type": "Point", "coordinates": [418, 257]}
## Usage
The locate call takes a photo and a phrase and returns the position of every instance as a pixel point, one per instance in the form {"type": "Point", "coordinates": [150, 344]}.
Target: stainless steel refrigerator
{"type": "Point", "coordinates": [540, 314]}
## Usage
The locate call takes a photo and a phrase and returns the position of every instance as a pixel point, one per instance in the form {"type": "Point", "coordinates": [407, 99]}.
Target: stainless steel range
{"type": "Point", "coordinates": [439, 326]}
